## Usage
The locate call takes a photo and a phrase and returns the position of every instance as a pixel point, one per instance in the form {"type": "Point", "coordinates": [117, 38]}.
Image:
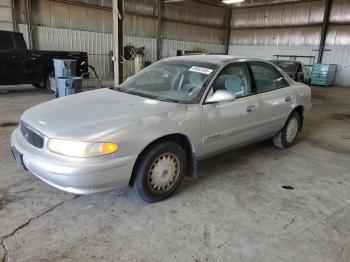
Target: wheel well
{"type": "Point", "coordinates": [180, 139]}
{"type": "Point", "coordinates": [300, 111]}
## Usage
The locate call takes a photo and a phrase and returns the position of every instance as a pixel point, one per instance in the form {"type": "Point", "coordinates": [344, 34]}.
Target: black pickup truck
{"type": "Point", "coordinates": [18, 65]}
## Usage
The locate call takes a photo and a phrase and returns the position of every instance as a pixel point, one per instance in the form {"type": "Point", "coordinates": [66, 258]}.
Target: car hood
{"type": "Point", "coordinates": [90, 115]}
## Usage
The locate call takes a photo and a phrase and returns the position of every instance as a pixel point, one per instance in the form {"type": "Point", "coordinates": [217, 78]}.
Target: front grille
{"type": "Point", "coordinates": [31, 136]}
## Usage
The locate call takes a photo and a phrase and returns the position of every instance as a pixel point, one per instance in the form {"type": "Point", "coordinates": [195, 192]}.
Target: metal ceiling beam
{"type": "Point", "coordinates": [324, 30]}
{"type": "Point", "coordinates": [195, 24]}
{"type": "Point", "coordinates": [272, 4]}
{"type": "Point", "coordinates": [211, 3]}
{"type": "Point", "coordinates": [84, 4]}
{"type": "Point", "coordinates": [276, 26]}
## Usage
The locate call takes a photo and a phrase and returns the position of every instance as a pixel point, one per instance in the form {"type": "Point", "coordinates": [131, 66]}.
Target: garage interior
{"type": "Point", "coordinates": [257, 203]}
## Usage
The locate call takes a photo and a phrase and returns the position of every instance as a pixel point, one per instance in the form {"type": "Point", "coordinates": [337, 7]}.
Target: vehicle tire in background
{"type": "Point", "coordinates": [160, 172]}
{"type": "Point", "coordinates": [288, 135]}
{"type": "Point", "coordinates": [48, 84]}
{"type": "Point", "coordinates": [38, 85]}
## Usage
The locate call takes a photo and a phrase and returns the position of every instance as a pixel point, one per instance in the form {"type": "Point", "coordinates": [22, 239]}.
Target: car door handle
{"type": "Point", "coordinates": [251, 109]}
{"type": "Point", "coordinates": [288, 99]}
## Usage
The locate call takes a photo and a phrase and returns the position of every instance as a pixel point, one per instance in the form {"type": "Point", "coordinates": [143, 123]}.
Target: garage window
{"type": "Point", "coordinates": [266, 77]}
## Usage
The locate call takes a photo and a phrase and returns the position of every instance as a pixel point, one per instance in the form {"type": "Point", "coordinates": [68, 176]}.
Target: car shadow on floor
{"type": "Point", "coordinates": [229, 161]}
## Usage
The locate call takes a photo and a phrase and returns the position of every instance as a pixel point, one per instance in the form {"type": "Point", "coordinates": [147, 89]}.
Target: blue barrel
{"type": "Point", "coordinates": [65, 67]}
{"type": "Point", "coordinates": [68, 86]}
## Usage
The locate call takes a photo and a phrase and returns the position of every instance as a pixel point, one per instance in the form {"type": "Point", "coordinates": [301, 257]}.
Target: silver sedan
{"type": "Point", "coordinates": [150, 131]}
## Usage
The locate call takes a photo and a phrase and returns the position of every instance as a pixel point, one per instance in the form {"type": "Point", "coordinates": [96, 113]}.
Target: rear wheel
{"type": "Point", "coordinates": [288, 135]}
{"type": "Point", "coordinates": [160, 172]}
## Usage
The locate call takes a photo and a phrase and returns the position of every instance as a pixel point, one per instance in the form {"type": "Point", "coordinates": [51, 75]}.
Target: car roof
{"type": "Point", "coordinates": [285, 61]}
{"type": "Point", "coordinates": [222, 60]}
{"type": "Point", "coordinates": [216, 59]}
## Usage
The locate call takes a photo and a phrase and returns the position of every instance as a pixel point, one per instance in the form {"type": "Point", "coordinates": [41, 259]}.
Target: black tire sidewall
{"type": "Point", "coordinates": [284, 141]}
{"type": "Point", "coordinates": [141, 182]}
{"type": "Point", "coordinates": [48, 85]}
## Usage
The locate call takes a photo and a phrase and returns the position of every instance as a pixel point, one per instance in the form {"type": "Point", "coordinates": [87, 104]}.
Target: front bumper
{"type": "Point", "coordinates": [74, 175]}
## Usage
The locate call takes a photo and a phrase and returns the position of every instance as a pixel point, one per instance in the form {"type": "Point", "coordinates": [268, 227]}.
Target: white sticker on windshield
{"type": "Point", "coordinates": [201, 70]}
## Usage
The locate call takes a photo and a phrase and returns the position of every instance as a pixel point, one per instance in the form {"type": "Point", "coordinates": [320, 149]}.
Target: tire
{"type": "Point", "coordinates": [38, 85]}
{"type": "Point", "coordinates": [160, 172]}
{"type": "Point", "coordinates": [288, 135]}
{"type": "Point", "coordinates": [48, 85]}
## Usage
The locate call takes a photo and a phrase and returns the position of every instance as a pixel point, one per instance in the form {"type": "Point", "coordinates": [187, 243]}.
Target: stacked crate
{"type": "Point", "coordinates": [323, 74]}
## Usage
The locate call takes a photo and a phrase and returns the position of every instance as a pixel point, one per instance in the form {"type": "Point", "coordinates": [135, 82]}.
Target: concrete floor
{"type": "Point", "coordinates": [236, 210]}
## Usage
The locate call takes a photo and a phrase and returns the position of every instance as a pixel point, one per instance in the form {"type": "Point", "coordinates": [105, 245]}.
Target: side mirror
{"type": "Point", "coordinates": [221, 96]}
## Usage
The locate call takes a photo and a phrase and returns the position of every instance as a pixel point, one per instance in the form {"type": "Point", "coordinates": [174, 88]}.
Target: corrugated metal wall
{"type": "Point", "coordinates": [64, 26]}
{"type": "Point", "coordinates": [278, 30]}
{"type": "Point", "coordinates": [6, 20]}
{"type": "Point", "coordinates": [296, 14]}
{"type": "Point", "coordinates": [339, 55]}
{"type": "Point", "coordinates": [268, 51]}
{"type": "Point", "coordinates": [99, 46]}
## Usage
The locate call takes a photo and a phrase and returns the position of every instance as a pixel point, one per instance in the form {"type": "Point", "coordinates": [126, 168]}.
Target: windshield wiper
{"type": "Point", "coordinates": [167, 100]}
{"type": "Point", "coordinates": [118, 89]}
{"type": "Point", "coordinates": [145, 95]}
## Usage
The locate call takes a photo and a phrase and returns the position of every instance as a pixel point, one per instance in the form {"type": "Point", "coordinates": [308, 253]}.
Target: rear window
{"type": "Point", "coordinates": [6, 42]}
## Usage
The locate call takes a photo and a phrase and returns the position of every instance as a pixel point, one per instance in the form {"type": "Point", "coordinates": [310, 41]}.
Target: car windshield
{"type": "Point", "coordinates": [290, 67]}
{"type": "Point", "coordinates": [177, 81]}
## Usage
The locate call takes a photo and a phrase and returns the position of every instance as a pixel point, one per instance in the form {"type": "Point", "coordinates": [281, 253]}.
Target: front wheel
{"type": "Point", "coordinates": [160, 172]}
{"type": "Point", "coordinates": [288, 135]}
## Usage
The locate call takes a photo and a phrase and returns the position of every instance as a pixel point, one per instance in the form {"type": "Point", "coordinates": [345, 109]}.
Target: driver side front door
{"type": "Point", "coordinates": [230, 124]}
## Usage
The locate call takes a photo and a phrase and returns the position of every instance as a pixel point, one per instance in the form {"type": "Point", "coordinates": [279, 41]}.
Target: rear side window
{"type": "Point", "coordinates": [267, 78]}
{"type": "Point", "coordinates": [6, 42]}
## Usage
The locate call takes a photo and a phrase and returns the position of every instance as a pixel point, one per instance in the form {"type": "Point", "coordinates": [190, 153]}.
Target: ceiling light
{"type": "Point", "coordinates": [232, 1]}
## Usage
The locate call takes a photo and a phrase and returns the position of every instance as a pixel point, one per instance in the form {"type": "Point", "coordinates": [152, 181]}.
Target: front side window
{"type": "Point", "coordinates": [267, 78]}
{"type": "Point", "coordinates": [234, 79]}
{"type": "Point", "coordinates": [173, 81]}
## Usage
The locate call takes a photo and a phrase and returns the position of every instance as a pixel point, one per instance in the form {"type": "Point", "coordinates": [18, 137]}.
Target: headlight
{"type": "Point", "coordinates": [80, 149]}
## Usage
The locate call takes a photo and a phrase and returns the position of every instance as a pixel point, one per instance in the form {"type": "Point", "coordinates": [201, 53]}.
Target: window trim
{"type": "Point", "coordinates": [274, 68]}
{"type": "Point", "coordinates": [210, 87]}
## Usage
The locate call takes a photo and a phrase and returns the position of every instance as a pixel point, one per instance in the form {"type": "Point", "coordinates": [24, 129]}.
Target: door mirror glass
{"type": "Point", "coordinates": [221, 96]}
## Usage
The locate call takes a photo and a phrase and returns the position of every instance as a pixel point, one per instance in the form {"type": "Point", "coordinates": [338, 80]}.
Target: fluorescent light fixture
{"type": "Point", "coordinates": [232, 1]}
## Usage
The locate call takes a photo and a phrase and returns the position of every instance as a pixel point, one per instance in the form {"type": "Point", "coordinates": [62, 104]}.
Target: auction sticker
{"type": "Point", "coordinates": [201, 70]}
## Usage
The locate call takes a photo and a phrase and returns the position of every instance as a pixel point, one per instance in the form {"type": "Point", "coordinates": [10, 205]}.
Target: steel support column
{"type": "Point", "coordinates": [29, 20]}
{"type": "Point", "coordinates": [159, 29]}
{"type": "Point", "coordinates": [118, 41]}
{"type": "Point", "coordinates": [228, 29]}
{"type": "Point", "coordinates": [325, 24]}
{"type": "Point", "coordinates": [13, 14]}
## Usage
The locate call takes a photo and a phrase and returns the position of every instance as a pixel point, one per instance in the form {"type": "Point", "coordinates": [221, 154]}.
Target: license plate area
{"type": "Point", "coordinates": [18, 156]}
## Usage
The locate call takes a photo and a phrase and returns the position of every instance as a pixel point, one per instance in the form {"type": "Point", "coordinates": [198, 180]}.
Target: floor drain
{"type": "Point", "coordinates": [288, 187]}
